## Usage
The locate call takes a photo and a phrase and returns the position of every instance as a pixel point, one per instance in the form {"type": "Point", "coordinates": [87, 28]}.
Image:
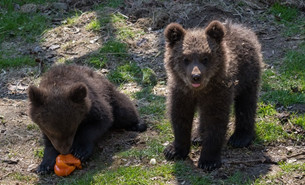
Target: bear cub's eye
{"type": "Point", "coordinates": [204, 60]}
{"type": "Point", "coordinates": [186, 60]}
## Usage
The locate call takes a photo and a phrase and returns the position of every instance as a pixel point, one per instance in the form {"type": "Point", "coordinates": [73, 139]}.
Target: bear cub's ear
{"type": "Point", "coordinates": [216, 31]}
{"type": "Point", "coordinates": [173, 33]}
{"type": "Point", "coordinates": [36, 95]}
{"type": "Point", "coordinates": [78, 92]}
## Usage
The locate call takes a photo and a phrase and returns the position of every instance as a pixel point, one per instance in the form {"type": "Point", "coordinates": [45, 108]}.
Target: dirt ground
{"type": "Point", "coordinates": [20, 140]}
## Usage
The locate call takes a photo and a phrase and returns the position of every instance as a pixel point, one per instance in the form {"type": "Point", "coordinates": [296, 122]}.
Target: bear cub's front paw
{"type": "Point", "coordinates": [82, 152]}
{"type": "Point", "coordinates": [171, 153]}
{"type": "Point", "coordinates": [209, 165]}
{"type": "Point", "coordinates": [45, 168]}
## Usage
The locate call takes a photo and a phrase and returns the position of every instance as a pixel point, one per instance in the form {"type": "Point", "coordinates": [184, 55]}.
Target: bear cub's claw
{"type": "Point", "coordinates": [45, 169]}
{"type": "Point", "coordinates": [171, 153]}
{"type": "Point", "coordinates": [209, 165]}
{"type": "Point", "coordinates": [82, 153]}
{"type": "Point", "coordinates": [241, 139]}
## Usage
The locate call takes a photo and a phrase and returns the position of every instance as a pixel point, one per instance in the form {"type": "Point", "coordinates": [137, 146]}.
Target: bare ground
{"type": "Point", "coordinates": [20, 140]}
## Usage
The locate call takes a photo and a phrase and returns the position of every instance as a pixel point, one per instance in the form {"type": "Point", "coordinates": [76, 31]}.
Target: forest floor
{"type": "Point", "coordinates": [123, 40]}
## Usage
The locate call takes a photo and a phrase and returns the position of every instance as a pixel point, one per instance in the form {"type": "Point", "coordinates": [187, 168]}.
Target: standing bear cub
{"type": "Point", "coordinates": [209, 69]}
{"type": "Point", "coordinates": [73, 107]}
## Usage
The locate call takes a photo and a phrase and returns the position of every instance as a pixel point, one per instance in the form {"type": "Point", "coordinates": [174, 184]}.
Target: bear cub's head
{"type": "Point", "coordinates": [195, 54]}
{"type": "Point", "coordinates": [58, 112]}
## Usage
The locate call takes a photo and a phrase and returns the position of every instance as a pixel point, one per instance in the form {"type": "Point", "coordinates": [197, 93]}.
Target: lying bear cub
{"type": "Point", "coordinates": [208, 70]}
{"type": "Point", "coordinates": [74, 106]}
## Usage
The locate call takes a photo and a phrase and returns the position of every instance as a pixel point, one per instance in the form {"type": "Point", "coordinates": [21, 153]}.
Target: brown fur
{"type": "Point", "coordinates": [73, 107]}
{"type": "Point", "coordinates": [209, 69]}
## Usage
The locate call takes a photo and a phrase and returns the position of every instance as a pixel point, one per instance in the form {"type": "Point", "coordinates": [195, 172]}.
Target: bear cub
{"type": "Point", "coordinates": [74, 106]}
{"type": "Point", "coordinates": [208, 70]}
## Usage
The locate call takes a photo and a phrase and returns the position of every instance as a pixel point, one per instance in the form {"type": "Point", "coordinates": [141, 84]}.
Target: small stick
{"type": "Point", "coordinates": [8, 161]}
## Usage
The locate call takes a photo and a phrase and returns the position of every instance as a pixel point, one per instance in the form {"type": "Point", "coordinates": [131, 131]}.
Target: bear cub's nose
{"type": "Point", "coordinates": [196, 77]}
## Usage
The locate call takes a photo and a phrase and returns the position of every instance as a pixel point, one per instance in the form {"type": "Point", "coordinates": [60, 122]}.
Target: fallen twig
{"type": "Point", "coordinates": [268, 38]}
{"type": "Point", "coordinates": [295, 155]}
{"type": "Point", "coordinates": [256, 161]}
{"type": "Point", "coordinates": [8, 161]}
{"type": "Point", "coordinates": [266, 160]}
{"type": "Point", "coordinates": [295, 38]}
{"type": "Point", "coordinates": [5, 175]}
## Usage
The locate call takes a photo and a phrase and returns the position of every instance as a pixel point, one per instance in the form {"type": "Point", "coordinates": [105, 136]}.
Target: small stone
{"type": "Point", "coordinates": [31, 167]}
{"type": "Point", "coordinates": [289, 148]}
{"type": "Point", "coordinates": [166, 143]}
{"type": "Point", "coordinates": [53, 47]}
{"type": "Point", "coordinates": [37, 49]}
{"type": "Point", "coordinates": [153, 161]}
{"type": "Point", "coordinates": [28, 8]}
{"type": "Point", "coordinates": [292, 160]}
{"type": "Point", "coordinates": [60, 6]}
{"type": "Point", "coordinates": [94, 40]}
{"type": "Point", "coordinates": [105, 71]}
{"type": "Point", "coordinates": [16, 7]}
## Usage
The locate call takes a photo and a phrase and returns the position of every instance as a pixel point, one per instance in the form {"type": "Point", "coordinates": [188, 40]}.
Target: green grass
{"type": "Point", "coordinates": [39, 153]}
{"type": "Point", "coordinates": [285, 13]}
{"type": "Point", "coordinates": [183, 171]}
{"type": "Point", "coordinates": [153, 149]}
{"type": "Point", "coordinates": [97, 61]}
{"type": "Point", "coordinates": [110, 3]}
{"type": "Point", "coordinates": [73, 19]}
{"type": "Point", "coordinates": [6, 63]}
{"type": "Point", "coordinates": [129, 72]}
{"type": "Point", "coordinates": [156, 109]}
{"type": "Point", "coordinates": [238, 178]}
{"type": "Point", "coordinates": [287, 86]}
{"type": "Point", "coordinates": [111, 50]}
{"type": "Point", "coordinates": [290, 17]}
{"type": "Point", "coordinates": [292, 167]}
{"type": "Point", "coordinates": [32, 126]}
{"type": "Point", "coordinates": [270, 131]}
{"type": "Point", "coordinates": [157, 174]}
{"type": "Point", "coordinates": [9, 4]}
{"type": "Point", "coordinates": [21, 177]}
{"type": "Point", "coordinates": [265, 110]}
{"type": "Point", "coordinates": [156, 104]}
{"type": "Point", "coordinates": [288, 169]}
{"type": "Point", "coordinates": [149, 77]}
{"type": "Point", "coordinates": [94, 25]}
{"type": "Point", "coordinates": [114, 47]}
{"type": "Point", "coordinates": [299, 120]}
{"type": "Point", "coordinates": [294, 66]}
{"type": "Point", "coordinates": [122, 30]}
{"type": "Point", "coordinates": [17, 24]}
{"type": "Point", "coordinates": [267, 126]}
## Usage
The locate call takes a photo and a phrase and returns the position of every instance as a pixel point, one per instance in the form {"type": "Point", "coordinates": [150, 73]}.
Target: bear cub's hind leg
{"type": "Point", "coordinates": [125, 114]}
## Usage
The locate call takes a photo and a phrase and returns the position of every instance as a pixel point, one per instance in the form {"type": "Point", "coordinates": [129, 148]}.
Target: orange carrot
{"type": "Point", "coordinates": [66, 164]}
